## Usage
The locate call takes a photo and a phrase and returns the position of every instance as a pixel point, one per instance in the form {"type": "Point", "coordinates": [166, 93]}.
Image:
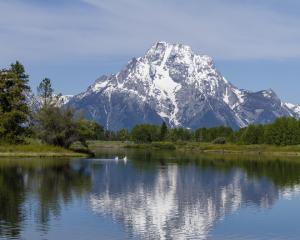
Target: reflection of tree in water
{"type": "Point", "coordinates": [50, 185]}
{"type": "Point", "coordinates": [12, 196]}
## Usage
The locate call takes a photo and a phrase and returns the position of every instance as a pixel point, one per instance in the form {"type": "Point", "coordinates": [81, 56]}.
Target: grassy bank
{"type": "Point", "coordinates": [240, 149]}
{"type": "Point", "coordinates": [33, 148]}
{"type": "Point", "coordinates": [202, 147]}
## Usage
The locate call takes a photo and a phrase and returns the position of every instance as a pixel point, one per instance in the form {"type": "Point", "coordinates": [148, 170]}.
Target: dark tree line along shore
{"type": "Point", "coordinates": [283, 132]}
{"type": "Point", "coordinates": [63, 126]}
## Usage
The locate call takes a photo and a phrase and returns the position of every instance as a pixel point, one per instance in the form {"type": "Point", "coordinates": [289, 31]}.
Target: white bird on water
{"type": "Point", "coordinates": [125, 159]}
{"type": "Point", "coordinates": [116, 158]}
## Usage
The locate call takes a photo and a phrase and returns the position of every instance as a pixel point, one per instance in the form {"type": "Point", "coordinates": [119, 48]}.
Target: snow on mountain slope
{"type": "Point", "coordinates": [294, 108]}
{"type": "Point", "coordinates": [64, 99]}
{"type": "Point", "coordinates": [171, 83]}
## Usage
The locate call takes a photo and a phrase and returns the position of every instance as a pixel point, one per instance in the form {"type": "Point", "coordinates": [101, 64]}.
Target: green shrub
{"type": "Point", "coordinates": [219, 140]}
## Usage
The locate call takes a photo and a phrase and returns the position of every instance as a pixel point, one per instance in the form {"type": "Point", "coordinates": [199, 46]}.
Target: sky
{"type": "Point", "coordinates": [255, 44]}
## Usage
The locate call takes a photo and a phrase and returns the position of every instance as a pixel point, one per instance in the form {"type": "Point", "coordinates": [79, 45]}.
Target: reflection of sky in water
{"type": "Point", "coordinates": [178, 201]}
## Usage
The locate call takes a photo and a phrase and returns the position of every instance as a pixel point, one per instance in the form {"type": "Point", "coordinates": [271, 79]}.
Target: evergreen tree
{"type": "Point", "coordinates": [163, 131]}
{"type": "Point", "coordinates": [14, 110]}
{"type": "Point", "coordinates": [45, 91]}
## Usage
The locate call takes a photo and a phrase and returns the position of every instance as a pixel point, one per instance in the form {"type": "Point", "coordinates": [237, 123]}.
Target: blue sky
{"type": "Point", "coordinates": [255, 44]}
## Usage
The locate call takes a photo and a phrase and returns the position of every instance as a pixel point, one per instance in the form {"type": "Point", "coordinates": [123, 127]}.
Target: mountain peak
{"type": "Point", "coordinates": [269, 93]}
{"type": "Point", "coordinates": [163, 51]}
{"type": "Point", "coordinates": [173, 84]}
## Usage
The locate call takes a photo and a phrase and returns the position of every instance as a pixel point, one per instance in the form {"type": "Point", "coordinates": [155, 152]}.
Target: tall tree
{"type": "Point", "coordinates": [45, 91]}
{"type": "Point", "coordinates": [163, 131]}
{"type": "Point", "coordinates": [19, 70]}
{"type": "Point", "coordinates": [14, 110]}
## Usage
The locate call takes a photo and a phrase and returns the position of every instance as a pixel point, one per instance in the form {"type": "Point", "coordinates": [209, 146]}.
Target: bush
{"type": "Point", "coordinates": [219, 140]}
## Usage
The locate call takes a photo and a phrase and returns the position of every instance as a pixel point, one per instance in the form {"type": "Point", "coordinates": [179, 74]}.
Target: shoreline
{"type": "Point", "coordinates": [194, 147]}
{"type": "Point", "coordinates": [39, 150]}
{"type": "Point", "coordinates": [41, 154]}
{"type": "Point", "coordinates": [257, 153]}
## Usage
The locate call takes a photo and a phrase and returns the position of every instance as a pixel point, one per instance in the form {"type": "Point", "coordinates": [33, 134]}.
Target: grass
{"type": "Point", "coordinates": [202, 147]}
{"type": "Point", "coordinates": [153, 145]}
{"type": "Point", "coordinates": [34, 148]}
{"type": "Point", "coordinates": [236, 148]}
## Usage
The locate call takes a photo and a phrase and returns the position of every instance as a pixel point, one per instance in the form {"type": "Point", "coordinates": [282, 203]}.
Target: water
{"type": "Point", "coordinates": [154, 195]}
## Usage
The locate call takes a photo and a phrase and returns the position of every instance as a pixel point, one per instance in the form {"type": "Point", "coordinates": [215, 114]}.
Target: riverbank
{"type": "Point", "coordinates": [200, 147]}
{"type": "Point", "coordinates": [33, 148]}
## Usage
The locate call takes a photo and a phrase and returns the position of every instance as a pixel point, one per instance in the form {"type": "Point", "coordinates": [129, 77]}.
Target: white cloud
{"type": "Point", "coordinates": [103, 28]}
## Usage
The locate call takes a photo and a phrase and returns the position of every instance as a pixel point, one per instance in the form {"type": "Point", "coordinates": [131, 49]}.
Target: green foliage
{"type": "Point", "coordinates": [284, 131]}
{"type": "Point", "coordinates": [57, 126]}
{"type": "Point", "coordinates": [45, 91]}
{"type": "Point", "coordinates": [14, 111]}
{"type": "Point", "coordinates": [62, 126]}
{"type": "Point", "coordinates": [253, 134]}
{"type": "Point", "coordinates": [109, 136]}
{"type": "Point", "coordinates": [210, 134]}
{"type": "Point", "coordinates": [122, 135]}
{"type": "Point", "coordinates": [180, 134]}
{"type": "Point", "coordinates": [163, 131]}
{"type": "Point", "coordinates": [145, 133]}
{"type": "Point", "coordinates": [90, 130]}
{"type": "Point", "coordinates": [220, 140]}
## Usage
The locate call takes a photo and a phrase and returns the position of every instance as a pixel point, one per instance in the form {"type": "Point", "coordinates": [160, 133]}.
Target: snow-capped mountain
{"type": "Point", "coordinates": [173, 84]}
{"type": "Point", "coordinates": [294, 108]}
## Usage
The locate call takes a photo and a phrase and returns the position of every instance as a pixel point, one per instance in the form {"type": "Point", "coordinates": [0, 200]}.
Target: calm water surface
{"type": "Point", "coordinates": [154, 195]}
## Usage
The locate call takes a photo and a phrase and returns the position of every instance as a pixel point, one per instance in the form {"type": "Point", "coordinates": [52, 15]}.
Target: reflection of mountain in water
{"type": "Point", "coordinates": [181, 201]}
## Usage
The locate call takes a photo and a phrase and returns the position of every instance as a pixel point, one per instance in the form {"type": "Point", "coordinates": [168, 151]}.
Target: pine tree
{"type": "Point", "coordinates": [45, 92]}
{"type": "Point", "coordinates": [163, 131]}
{"type": "Point", "coordinates": [14, 110]}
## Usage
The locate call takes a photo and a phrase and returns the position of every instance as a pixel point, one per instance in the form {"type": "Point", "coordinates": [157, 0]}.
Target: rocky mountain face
{"type": "Point", "coordinates": [173, 84]}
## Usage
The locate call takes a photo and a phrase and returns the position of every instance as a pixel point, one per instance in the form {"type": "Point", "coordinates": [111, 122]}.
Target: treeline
{"type": "Point", "coordinates": [284, 131]}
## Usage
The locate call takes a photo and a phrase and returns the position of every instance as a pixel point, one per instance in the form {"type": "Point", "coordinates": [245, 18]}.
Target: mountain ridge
{"type": "Point", "coordinates": [173, 84]}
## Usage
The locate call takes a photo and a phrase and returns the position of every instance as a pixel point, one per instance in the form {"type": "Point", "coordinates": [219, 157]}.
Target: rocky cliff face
{"type": "Point", "coordinates": [172, 84]}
